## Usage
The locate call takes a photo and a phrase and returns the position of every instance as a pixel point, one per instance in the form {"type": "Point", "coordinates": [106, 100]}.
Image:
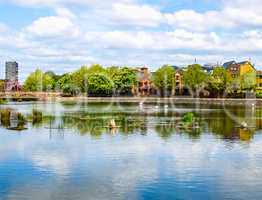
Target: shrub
{"type": "Point", "coordinates": [259, 94]}
{"type": "Point", "coordinates": [188, 117]}
{"type": "Point", "coordinates": [5, 117]}
{"type": "Point", "coordinates": [37, 116]}
{"type": "Point", "coordinates": [2, 101]}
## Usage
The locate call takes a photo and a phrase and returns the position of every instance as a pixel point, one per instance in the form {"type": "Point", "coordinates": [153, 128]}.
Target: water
{"type": "Point", "coordinates": [72, 154]}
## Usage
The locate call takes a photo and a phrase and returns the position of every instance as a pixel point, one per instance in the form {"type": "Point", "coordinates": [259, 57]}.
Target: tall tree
{"type": "Point", "coordinates": [79, 78]}
{"type": "Point", "coordinates": [66, 85]}
{"type": "Point", "coordinates": [38, 81]}
{"type": "Point", "coordinates": [219, 81]}
{"type": "Point", "coordinates": [55, 78]}
{"type": "Point", "coordinates": [124, 79]}
{"type": "Point", "coordinates": [164, 79]}
{"type": "Point", "coordinates": [195, 78]}
{"type": "Point", "coordinates": [248, 81]}
{"type": "Point", "coordinates": [99, 85]}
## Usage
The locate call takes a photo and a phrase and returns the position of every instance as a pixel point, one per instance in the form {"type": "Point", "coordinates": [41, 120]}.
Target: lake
{"type": "Point", "coordinates": [71, 153]}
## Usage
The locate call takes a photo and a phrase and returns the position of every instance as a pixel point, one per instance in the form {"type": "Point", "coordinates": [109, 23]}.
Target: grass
{"type": "Point", "coordinates": [5, 117]}
{"type": "Point", "coordinates": [37, 116]}
{"type": "Point", "coordinates": [188, 118]}
{"type": "Point", "coordinates": [3, 101]}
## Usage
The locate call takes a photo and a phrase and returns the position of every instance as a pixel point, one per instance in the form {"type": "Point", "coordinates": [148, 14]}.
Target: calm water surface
{"type": "Point", "coordinates": [72, 154]}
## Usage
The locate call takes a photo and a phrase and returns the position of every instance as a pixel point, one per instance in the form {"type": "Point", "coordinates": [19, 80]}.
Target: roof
{"type": "Point", "coordinates": [227, 64]}
{"type": "Point", "coordinates": [208, 67]}
{"type": "Point", "coordinates": [242, 63]}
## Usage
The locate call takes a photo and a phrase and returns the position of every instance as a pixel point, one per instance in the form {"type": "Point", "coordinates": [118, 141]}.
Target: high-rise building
{"type": "Point", "coordinates": [11, 71]}
{"type": "Point", "coordinates": [11, 76]}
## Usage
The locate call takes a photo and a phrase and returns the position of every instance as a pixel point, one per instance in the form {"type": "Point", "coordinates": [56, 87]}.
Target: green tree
{"type": "Point", "coordinates": [248, 81]}
{"type": "Point", "coordinates": [55, 78]}
{"type": "Point", "coordinates": [239, 86]}
{"type": "Point", "coordinates": [95, 69]}
{"type": "Point", "coordinates": [99, 85]}
{"type": "Point", "coordinates": [79, 77]}
{"type": "Point", "coordinates": [123, 78]}
{"type": "Point", "coordinates": [195, 78]}
{"type": "Point", "coordinates": [66, 85]}
{"type": "Point", "coordinates": [64, 80]}
{"type": "Point", "coordinates": [234, 88]}
{"type": "Point", "coordinates": [38, 81]}
{"type": "Point", "coordinates": [164, 79]}
{"type": "Point", "coordinates": [219, 81]}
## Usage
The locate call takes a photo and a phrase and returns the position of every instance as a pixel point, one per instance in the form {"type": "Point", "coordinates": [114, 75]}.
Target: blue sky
{"type": "Point", "coordinates": [62, 35]}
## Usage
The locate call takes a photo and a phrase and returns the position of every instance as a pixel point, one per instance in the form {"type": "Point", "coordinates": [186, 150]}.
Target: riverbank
{"type": "Point", "coordinates": [174, 100]}
{"type": "Point", "coordinates": [43, 96]}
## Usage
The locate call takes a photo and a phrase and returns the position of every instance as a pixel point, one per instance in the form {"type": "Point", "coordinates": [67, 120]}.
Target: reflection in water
{"type": "Point", "coordinates": [71, 153]}
{"type": "Point", "coordinates": [95, 120]}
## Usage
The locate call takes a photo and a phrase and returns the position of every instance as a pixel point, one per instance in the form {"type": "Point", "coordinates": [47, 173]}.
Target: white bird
{"type": "Point", "coordinates": [141, 105]}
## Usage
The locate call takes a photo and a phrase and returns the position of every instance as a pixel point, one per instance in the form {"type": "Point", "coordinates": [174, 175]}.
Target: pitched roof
{"type": "Point", "coordinates": [227, 64]}
{"type": "Point", "coordinates": [244, 62]}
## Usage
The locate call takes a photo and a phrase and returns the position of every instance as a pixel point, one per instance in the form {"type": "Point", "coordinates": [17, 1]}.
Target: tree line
{"type": "Point", "coordinates": [99, 81]}
{"type": "Point", "coordinates": [94, 80]}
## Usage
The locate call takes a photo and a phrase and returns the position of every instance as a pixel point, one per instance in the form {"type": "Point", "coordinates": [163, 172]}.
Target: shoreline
{"type": "Point", "coordinates": [45, 96]}
{"type": "Point", "coordinates": [171, 100]}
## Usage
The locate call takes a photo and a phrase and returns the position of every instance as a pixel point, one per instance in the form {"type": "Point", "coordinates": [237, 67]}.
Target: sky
{"type": "Point", "coordinates": [62, 35]}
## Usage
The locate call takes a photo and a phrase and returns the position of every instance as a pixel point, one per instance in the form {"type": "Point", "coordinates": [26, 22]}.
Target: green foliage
{"type": "Point", "coordinates": [95, 69]}
{"type": "Point", "coordinates": [79, 77]}
{"type": "Point", "coordinates": [95, 80]}
{"type": "Point", "coordinates": [21, 122]}
{"type": "Point", "coordinates": [37, 116]}
{"type": "Point", "coordinates": [188, 117]}
{"type": "Point", "coordinates": [99, 85]}
{"type": "Point", "coordinates": [3, 101]}
{"type": "Point", "coordinates": [64, 80]}
{"type": "Point", "coordinates": [20, 117]}
{"type": "Point", "coordinates": [38, 81]}
{"type": "Point", "coordinates": [55, 78]}
{"type": "Point", "coordinates": [219, 80]}
{"type": "Point", "coordinates": [164, 78]}
{"type": "Point", "coordinates": [70, 90]}
{"type": "Point", "coordinates": [259, 94]}
{"type": "Point", "coordinates": [248, 81]}
{"type": "Point", "coordinates": [240, 85]}
{"type": "Point", "coordinates": [194, 77]}
{"type": "Point", "coordinates": [123, 78]}
{"type": "Point", "coordinates": [5, 117]}
{"type": "Point", "coordinates": [234, 86]}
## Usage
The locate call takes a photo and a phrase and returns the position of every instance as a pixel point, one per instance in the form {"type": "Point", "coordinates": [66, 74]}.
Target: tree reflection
{"type": "Point", "coordinates": [95, 122]}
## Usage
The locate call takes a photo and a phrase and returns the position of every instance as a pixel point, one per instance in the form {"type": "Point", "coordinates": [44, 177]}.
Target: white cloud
{"type": "Point", "coordinates": [64, 12]}
{"type": "Point", "coordinates": [53, 26]}
{"type": "Point", "coordinates": [128, 32]}
{"type": "Point", "coordinates": [192, 20]}
{"type": "Point", "coordinates": [235, 14]}
{"type": "Point", "coordinates": [3, 28]}
{"type": "Point", "coordinates": [140, 15]}
{"type": "Point", "coordinates": [178, 39]}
